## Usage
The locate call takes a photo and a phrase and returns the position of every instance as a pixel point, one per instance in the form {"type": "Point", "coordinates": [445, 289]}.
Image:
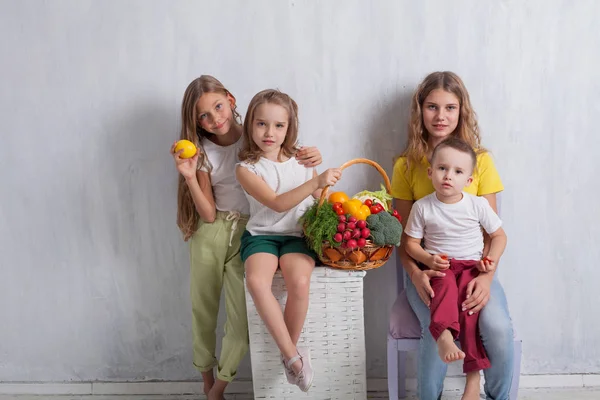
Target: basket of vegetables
{"type": "Point", "coordinates": [357, 233]}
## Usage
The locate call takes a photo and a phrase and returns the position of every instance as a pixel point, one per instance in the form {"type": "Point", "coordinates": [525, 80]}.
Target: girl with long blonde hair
{"type": "Point", "coordinates": [212, 213]}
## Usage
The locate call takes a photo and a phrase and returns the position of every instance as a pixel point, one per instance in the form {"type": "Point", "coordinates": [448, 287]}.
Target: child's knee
{"type": "Point", "coordinates": [299, 287]}
{"type": "Point", "coordinates": [257, 284]}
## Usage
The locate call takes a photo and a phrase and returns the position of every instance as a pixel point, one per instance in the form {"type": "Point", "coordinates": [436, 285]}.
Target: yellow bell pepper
{"type": "Point", "coordinates": [356, 208]}
{"type": "Point", "coordinates": [363, 213]}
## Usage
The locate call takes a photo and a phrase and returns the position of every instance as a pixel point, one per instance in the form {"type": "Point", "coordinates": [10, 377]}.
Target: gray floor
{"type": "Point", "coordinates": [525, 394]}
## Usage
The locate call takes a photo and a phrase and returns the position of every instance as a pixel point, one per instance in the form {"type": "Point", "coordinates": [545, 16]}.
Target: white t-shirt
{"type": "Point", "coordinates": [453, 229]}
{"type": "Point", "coordinates": [281, 177]}
{"type": "Point", "coordinates": [220, 163]}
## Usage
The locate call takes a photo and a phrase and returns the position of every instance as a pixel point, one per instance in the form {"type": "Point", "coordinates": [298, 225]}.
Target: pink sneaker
{"type": "Point", "coordinates": [289, 373]}
{"type": "Point", "coordinates": [305, 377]}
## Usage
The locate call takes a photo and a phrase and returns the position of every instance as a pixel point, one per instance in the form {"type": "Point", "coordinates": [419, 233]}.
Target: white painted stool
{"type": "Point", "coordinates": [334, 332]}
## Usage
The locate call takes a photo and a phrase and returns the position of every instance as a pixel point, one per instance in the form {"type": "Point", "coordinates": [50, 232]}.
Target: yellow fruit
{"type": "Point", "coordinates": [189, 149]}
{"type": "Point", "coordinates": [338, 197]}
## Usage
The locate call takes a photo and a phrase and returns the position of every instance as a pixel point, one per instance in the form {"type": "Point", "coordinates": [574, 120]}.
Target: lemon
{"type": "Point", "coordinates": [189, 149]}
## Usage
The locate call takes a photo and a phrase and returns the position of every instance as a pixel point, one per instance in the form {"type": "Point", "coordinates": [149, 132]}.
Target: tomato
{"type": "Point", "coordinates": [376, 208]}
{"type": "Point", "coordinates": [368, 202]}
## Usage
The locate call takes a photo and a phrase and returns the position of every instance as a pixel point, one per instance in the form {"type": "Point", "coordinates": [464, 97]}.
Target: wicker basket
{"type": "Point", "coordinates": [368, 257]}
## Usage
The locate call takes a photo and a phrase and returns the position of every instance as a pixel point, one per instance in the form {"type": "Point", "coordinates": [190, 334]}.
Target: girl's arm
{"type": "Point", "coordinates": [491, 198]}
{"type": "Point", "coordinates": [409, 265]}
{"type": "Point", "coordinates": [202, 194]}
{"type": "Point", "coordinates": [199, 184]}
{"type": "Point", "coordinates": [256, 187]}
{"type": "Point", "coordinates": [317, 193]}
{"type": "Point", "coordinates": [309, 157]}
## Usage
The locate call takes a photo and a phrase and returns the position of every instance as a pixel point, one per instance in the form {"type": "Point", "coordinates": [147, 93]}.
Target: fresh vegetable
{"type": "Point", "coordinates": [385, 229]}
{"type": "Point", "coordinates": [320, 223]}
{"type": "Point", "coordinates": [376, 208]}
{"type": "Point", "coordinates": [338, 197]}
{"type": "Point", "coordinates": [356, 209]}
{"type": "Point", "coordinates": [381, 196]}
{"type": "Point", "coordinates": [337, 207]}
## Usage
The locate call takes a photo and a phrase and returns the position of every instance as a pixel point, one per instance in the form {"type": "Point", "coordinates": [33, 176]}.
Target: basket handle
{"type": "Point", "coordinates": [386, 180]}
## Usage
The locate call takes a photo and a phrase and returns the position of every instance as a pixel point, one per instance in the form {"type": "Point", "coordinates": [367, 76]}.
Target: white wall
{"type": "Point", "coordinates": [94, 274]}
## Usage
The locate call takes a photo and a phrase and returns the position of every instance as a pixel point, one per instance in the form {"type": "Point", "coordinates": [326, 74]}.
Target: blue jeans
{"type": "Point", "coordinates": [496, 331]}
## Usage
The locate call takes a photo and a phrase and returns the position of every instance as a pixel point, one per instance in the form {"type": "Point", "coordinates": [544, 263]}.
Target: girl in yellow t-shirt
{"type": "Point", "coordinates": [441, 108]}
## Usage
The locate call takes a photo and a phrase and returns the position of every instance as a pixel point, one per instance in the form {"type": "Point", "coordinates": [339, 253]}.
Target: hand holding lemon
{"type": "Point", "coordinates": [185, 155]}
{"type": "Point", "coordinates": [187, 148]}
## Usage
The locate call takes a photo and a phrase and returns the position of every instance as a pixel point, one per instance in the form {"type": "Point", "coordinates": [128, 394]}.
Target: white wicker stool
{"type": "Point", "coordinates": [334, 332]}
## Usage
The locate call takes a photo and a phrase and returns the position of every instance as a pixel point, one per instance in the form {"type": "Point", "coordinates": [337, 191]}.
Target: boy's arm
{"type": "Point", "coordinates": [414, 249]}
{"type": "Point", "coordinates": [497, 245]}
{"type": "Point", "coordinates": [415, 230]}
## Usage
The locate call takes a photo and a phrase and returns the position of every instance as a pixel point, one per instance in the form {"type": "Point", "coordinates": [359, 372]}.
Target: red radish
{"type": "Point", "coordinates": [365, 232]}
{"type": "Point", "coordinates": [342, 218]}
{"type": "Point", "coordinates": [347, 235]}
{"type": "Point", "coordinates": [361, 223]}
{"type": "Point", "coordinates": [341, 227]}
{"type": "Point", "coordinates": [352, 244]}
{"type": "Point", "coordinates": [352, 219]}
{"type": "Point", "coordinates": [343, 245]}
{"type": "Point", "coordinates": [351, 225]}
{"type": "Point", "coordinates": [338, 237]}
{"type": "Point", "coordinates": [361, 242]}
{"type": "Point", "coordinates": [356, 233]}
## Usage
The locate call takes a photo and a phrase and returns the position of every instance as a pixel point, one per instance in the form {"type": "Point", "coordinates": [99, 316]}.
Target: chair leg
{"type": "Point", "coordinates": [514, 389]}
{"type": "Point", "coordinates": [392, 368]}
{"type": "Point", "coordinates": [402, 372]}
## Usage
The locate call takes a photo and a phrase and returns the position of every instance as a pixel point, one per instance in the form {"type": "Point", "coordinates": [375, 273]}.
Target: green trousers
{"type": "Point", "coordinates": [215, 264]}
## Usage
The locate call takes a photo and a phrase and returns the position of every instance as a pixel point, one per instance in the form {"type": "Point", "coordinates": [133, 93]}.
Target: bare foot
{"type": "Point", "coordinates": [472, 386]}
{"type": "Point", "coordinates": [217, 391]}
{"type": "Point", "coordinates": [214, 396]}
{"type": "Point", "coordinates": [448, 351]}
{"type": "Point", "coordinates": [208, 378]}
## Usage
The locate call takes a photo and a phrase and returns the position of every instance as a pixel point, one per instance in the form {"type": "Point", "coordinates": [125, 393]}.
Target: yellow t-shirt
{"type": "Point", "coordinates": [415, 184]}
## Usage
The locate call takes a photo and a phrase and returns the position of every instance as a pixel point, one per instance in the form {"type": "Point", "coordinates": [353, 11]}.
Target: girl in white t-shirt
{"type": "Point", "coordinates": [279, 191]}
{"type": "Point", "coordinates": [213, 211]}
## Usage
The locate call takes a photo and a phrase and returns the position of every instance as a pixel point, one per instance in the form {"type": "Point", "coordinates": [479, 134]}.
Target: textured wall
{"type": "Point", "coordinates": [93, 271]}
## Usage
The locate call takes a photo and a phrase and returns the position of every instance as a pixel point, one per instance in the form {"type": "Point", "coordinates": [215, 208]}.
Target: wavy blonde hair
{"type": "Point", "coordinates": [466, 130]}
{"type": "Point", "coordinates": [250, 151]}
{"type": "Point", "coordinates": [187, 216]}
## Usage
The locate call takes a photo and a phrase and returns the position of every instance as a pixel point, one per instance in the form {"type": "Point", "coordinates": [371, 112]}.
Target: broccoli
{"type": "Point", "coordinates": [385, 228]}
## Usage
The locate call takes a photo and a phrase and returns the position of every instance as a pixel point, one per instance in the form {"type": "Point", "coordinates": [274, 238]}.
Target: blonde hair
{"type": "Point", "coordinates": [250, 151]}
{"type": "Point", "coordinates": [187, 216]}
{"type": "Point", "coordinates": [466, 130]}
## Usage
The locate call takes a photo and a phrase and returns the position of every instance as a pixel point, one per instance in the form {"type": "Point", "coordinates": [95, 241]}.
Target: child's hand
{"type": "Point", "coordinates": [309, 157]}
{"type": "Point", "coordinates": [438, 262]}
{"type": "Point", "coordinates": [329, 177]}
{"type": "Point", "coordinates": [486, 265]}
{"type": "Point", "coordinates": [185, 166]}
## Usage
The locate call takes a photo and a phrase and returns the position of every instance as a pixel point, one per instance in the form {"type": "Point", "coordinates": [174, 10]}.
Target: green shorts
{"type": "Point", "coordinates": [277, 245]}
